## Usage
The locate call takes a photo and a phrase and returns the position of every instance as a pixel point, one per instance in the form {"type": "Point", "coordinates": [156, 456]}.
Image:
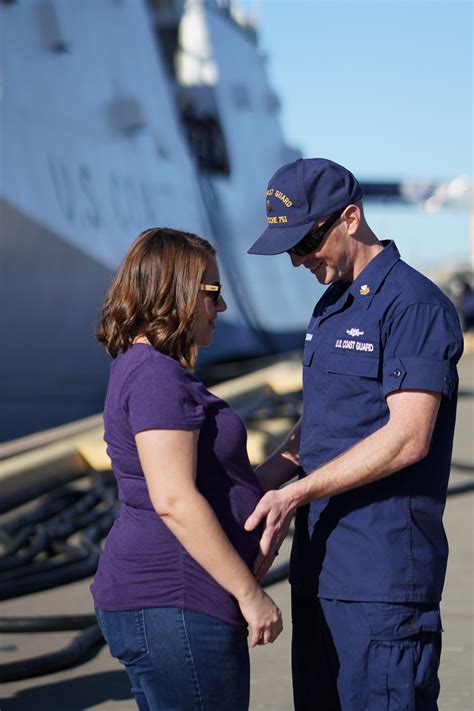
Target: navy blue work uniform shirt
{"type": "Point", "coordinates": [391, 329]}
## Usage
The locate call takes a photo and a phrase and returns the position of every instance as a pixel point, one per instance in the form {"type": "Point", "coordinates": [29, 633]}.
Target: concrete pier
{"type": "Point", "coordinates": [100, 684]}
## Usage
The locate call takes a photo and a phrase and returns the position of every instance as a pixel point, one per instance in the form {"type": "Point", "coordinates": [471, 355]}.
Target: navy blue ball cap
{"type": "Point", "coordinates": [299, 194]}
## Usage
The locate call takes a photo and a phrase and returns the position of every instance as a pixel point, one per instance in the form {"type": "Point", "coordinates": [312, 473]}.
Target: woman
{"type": "Point", "coordinates": [174, 592]}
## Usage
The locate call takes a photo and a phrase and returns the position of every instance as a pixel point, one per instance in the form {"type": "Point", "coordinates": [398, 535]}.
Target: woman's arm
{"type": "Point", "coordinates": [168, 459]}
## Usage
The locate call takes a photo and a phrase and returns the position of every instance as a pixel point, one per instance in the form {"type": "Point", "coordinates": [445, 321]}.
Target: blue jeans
{"type": "Point", "coordinates": [179, 660]}
{"type": "Point", "coordinates": [365, 656]}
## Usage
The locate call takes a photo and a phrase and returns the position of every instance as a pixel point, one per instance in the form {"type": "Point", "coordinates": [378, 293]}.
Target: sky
{"type": "Point", "coordinates": [384, 87]}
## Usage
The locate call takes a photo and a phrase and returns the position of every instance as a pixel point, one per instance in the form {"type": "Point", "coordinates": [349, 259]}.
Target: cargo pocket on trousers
{"type": "Point", "coordinates": [125, 633]}
{"type": "Point", "coordinates": [404, 658]}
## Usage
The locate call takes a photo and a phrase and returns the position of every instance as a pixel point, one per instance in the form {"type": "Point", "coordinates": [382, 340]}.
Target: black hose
{"type": "Point", "coordinates": [46, 624]}
{"type": "Point", "coordinates": [54, 504]}
{"type": "Point", "coordinates": [463, 468]}
{"type": "Point", "coordinates": [457, 489]}
{"type": "Point", "coordinates": [57, 574]}
{"type": "Point", "coordinates": [53, 661]}
{"type": "Point", "coordinates": [11, 544]}
{"type": "Point", "coordinates": [16, 498]}
{"type": "Point", "coordinates": [37, 539]}
{"type": "Point", "coordinates": [40, 557]}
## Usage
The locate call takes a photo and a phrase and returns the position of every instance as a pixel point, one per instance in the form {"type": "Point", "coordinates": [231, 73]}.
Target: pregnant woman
{"type": "Point", "coordinates": [174, 592]}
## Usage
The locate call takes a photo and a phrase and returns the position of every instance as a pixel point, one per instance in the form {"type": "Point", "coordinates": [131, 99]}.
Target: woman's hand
{"type": "Point", "coordinates": [262, 615]}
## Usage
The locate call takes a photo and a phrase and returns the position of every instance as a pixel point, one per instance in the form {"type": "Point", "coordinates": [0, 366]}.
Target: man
{"type": "Point", "coordinates": [374, 445]}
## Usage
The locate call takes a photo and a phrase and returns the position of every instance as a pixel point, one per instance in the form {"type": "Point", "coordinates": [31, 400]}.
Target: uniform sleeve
{"type": "Point", "coordinates": [161, 395]}
{"type": "Point", "coordinates": [422, 345]}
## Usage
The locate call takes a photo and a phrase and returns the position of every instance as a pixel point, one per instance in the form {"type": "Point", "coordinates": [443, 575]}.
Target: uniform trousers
{"type": "Point", "coordinates": [364, 656]}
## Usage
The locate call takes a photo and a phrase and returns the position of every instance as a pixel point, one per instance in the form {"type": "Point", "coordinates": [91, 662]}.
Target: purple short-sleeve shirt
{"type": "Point", "coordinates": [143, 563]}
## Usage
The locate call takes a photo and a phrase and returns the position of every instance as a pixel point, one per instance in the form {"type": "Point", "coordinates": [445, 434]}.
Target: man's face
{"type": "Point", "coordinates": [333, 259]}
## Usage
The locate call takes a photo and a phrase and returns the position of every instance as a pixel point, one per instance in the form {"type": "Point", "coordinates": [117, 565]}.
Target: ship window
{"type": "Point", "coordinates": [168, 42]}
{"type": "Point", "coordinates": [206, 140]}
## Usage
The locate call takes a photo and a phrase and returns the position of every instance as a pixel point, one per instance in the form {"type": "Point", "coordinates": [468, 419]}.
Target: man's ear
{"type": "Point", "coordinates": [352, 216]}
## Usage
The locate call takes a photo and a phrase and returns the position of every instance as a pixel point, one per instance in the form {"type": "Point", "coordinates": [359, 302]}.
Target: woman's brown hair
{"type": "Point", "coordinates": [154, 294]}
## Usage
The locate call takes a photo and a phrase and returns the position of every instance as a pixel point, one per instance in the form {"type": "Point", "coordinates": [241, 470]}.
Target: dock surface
{"type": "Point", "coordinates": [100, 684]}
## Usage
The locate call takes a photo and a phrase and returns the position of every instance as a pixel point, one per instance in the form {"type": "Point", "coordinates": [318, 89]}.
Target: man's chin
{"type": "Point", "coordinates": [323, 277]}
{"type": "Point", "coordinates": [320, 273]}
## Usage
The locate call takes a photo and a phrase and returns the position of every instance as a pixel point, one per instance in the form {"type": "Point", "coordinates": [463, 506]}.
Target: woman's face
{"type": "Point", "coordinates": [207, 309]}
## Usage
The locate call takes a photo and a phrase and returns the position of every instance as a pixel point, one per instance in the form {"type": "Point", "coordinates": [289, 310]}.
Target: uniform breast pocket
{"type": "Point", "coordinates": [354, 399]}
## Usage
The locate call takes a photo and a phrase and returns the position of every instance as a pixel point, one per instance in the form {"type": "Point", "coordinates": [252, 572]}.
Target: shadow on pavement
{"type": "Point", "coordinates": [72, 694]}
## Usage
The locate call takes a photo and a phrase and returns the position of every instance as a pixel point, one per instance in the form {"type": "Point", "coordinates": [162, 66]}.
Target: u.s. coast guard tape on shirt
{"type": "Point", "coordinates": [346, 344]}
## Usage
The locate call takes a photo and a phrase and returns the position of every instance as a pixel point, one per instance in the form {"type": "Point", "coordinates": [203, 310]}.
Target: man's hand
{"type": "Point", "coordinates": [276, 509]}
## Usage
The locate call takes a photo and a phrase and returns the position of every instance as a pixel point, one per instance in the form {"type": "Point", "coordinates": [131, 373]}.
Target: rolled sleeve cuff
{"type": "Point", "coordinates": [419, 374]}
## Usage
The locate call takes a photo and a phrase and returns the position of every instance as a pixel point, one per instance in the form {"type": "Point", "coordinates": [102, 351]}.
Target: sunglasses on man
{"type": "Point", "coordinates": [214, 291]}
{"type": "Point", "coordinates": [313, 239]}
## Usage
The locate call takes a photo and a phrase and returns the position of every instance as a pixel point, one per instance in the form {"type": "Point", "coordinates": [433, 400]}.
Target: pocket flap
{"type": "Point", "coordinates": [351, 364]}
{"type": "Point", "coordinates": [405, 623]}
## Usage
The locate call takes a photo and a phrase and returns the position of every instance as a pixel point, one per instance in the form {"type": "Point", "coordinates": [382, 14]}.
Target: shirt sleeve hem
{"type": "Point", "coordinates": [419, 374]}
{"type": "Point", "coordinates": [186, 426]}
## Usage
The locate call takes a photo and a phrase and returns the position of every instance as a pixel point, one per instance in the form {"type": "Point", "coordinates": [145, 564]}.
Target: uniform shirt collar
{"type": "Point", "coordinates": [369, 280]}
